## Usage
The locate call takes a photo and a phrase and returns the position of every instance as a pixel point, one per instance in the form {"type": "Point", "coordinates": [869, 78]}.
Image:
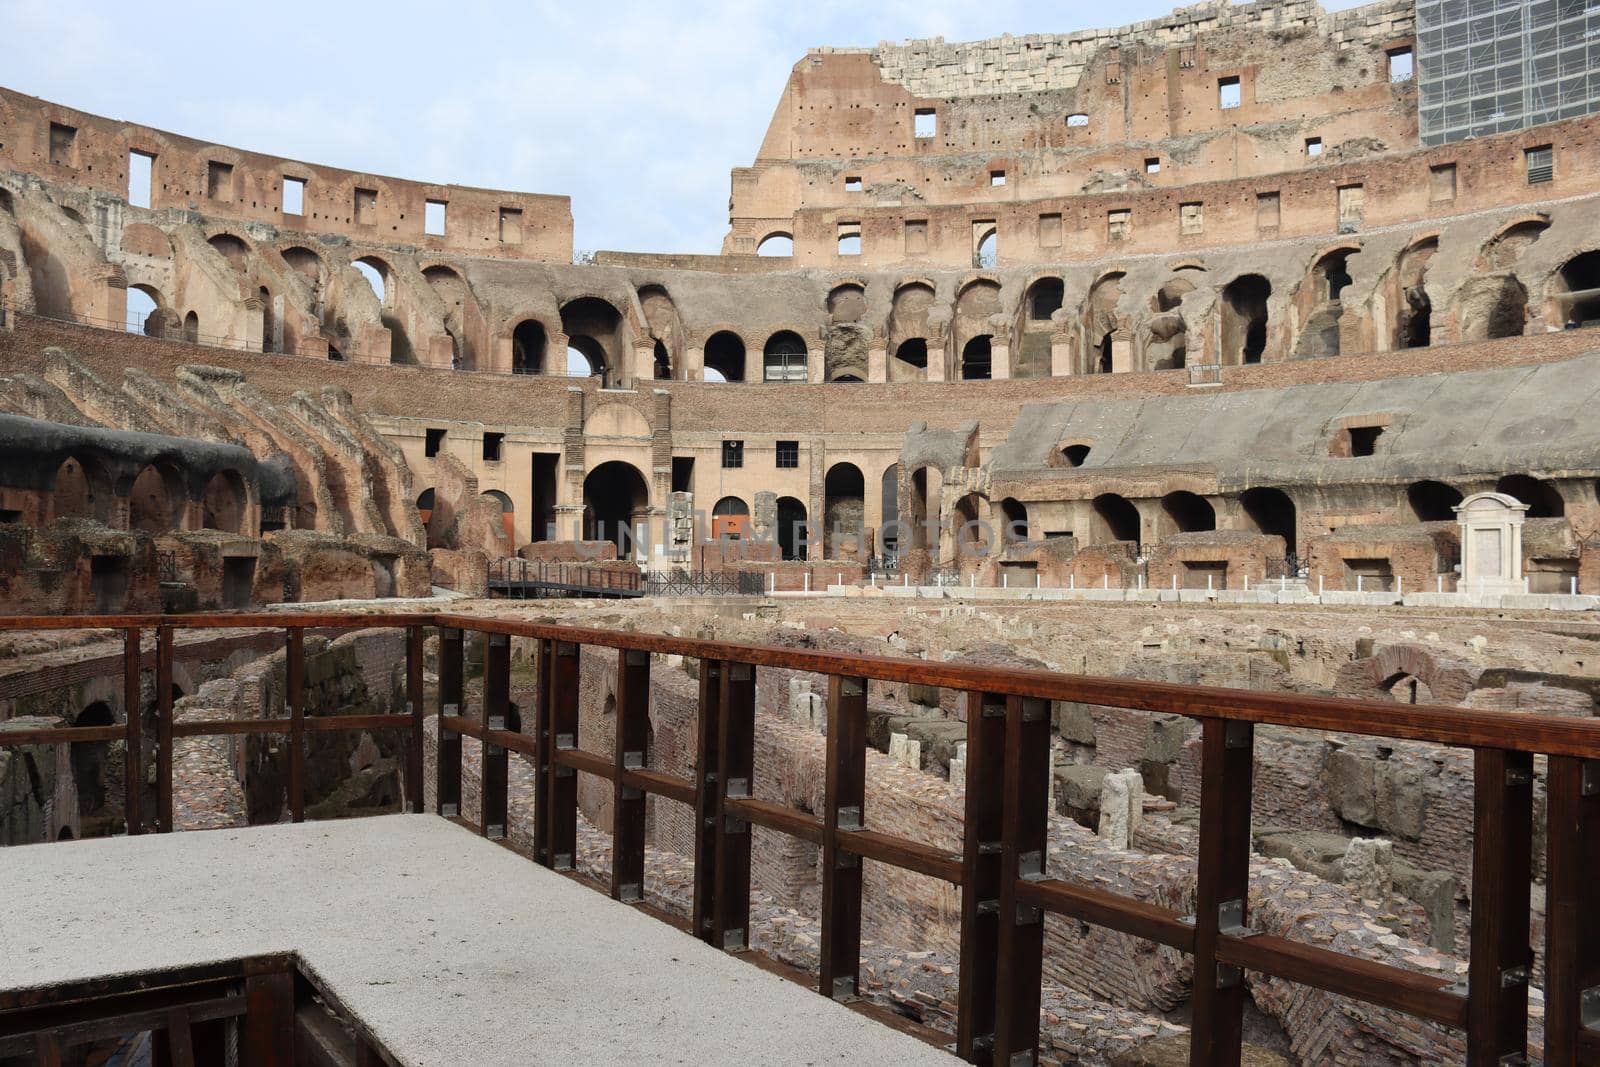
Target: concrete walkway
{"type": "Point", "coordinates": [450, 949]}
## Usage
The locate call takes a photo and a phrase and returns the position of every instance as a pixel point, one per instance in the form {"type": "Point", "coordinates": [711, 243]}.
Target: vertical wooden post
{"type": "Point", "coordinates": [1227, 773]}
{"type": "Point", "coordinates": [708, 733]}
{"type": "Point", "coordinates": [415, 793]}
{"type": "Point", "coordinates": [1502, 865]}
{"type": "Point", "coordinates": [736, 762]}
{"type": "Point", "coordinates": [1571, 924]}
{"type": "Point", "coordinates": [266, 1036]}
{"type": "Point", "coordinates": [630, 751]}
{"type": "Point", "coordinates": [295, 694]}
{"type": "Point", "coordinates": [495, 762]}
{"type": "Point", "coordinates": [980, 876]}
{"type": "Point", "coordinates": [133, 713]}
{"type": "Point", "coordinates": [541, 742]}
{"type": "Point", "coordinates": [562, 805]}
{"type": "Point", "coordinates": [164, 729]}
{"type": "Point", "coordinates": [1025, 827]}
{"type": "Point", "coordinates": [180, 1037]}
{"type": "Point", "coordinates": [844, 809]}
{"type": "Point", "coordinates": [447, 791]}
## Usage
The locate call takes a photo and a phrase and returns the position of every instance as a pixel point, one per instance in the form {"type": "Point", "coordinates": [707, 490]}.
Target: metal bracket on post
{"type": "Point", "coordinates": [1230, 919]}
{"type": "Point", "coordinates": [849, 818]}
{"type": "Point", "coordinates": [1513, 976]}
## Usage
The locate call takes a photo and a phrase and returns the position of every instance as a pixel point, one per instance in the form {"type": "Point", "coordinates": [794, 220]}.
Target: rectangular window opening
{"type": "Point", "coordinates": [788, 455]}
{"type": "Point", "coordinates": [1119, 224]}
{"type": "Point", "coordinates": [997, 177]}
{"type": "Point", "coordinates": [925, 122]}
{"type": "Point", "coordinates": [1152, 165]}
{"type": "Point", "coordinates": [141, 170]}
{"type": "Point", "coordinates": [916, 235]}
{"type": "Point", "coordinates": [1191, 218]}
{"type": "Point", "coordinates": [219, 180]}
{"type": "Point", "coordinates": [1364, 440]}
{"type": "Point", "coordinates": [63, 145]}
{"type": "Point", "coordinates": [1313, 146]}
{"type": "Point", "coordinates": [1442, 182]}
{"type": "Point", "coordinates": [433, 218]}
{"type": "Point", "coordinates": [1541, 163]}
{"type": "Point", "coordinates": [366, 206]}
{"type": "Point", "coordinates": [1402, 65]}
{"type": "Point", "coordinates": [1229, 93]}
{"type": "Point", "coordinates": [683, 474]}
{"type": "Point", "coordinates": [492, 445]}
{"type": "Point", "coordinates": [433, 442]}
{"type": "Point", "coordinates": [511, 226]}
{"type": "Point", "coordinates": [1050, 230]}
{"type": "Point", "coordinates": [732, 455]}
{"type": "Point", "coordinates": [294, 195]}
{"type": "Point", "coordinates": [852, 184]}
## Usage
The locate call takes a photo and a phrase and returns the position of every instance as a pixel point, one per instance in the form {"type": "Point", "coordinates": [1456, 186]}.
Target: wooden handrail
{"type": "Point", "coordinates": [1000, 869]}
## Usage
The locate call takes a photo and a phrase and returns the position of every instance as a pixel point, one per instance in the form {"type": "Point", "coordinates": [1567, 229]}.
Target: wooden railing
{"type": "Point", "coordinates": [1005, 888]}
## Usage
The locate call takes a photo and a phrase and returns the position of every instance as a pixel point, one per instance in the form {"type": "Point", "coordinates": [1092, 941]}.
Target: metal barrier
{"type": "Point", "coordinates": [1005, 888]}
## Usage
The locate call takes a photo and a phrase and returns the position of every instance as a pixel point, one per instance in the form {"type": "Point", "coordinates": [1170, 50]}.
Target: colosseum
{"type": "Point", "coordinates": [1137, 487]}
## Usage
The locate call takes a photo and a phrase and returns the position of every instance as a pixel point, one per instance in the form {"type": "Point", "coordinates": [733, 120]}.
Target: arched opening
{"type": "Point", "coordinates": [425, 507]}
{"type": "Point", "coordinates": [1579, 290]}
{"type": "Point", "coordinates": [844, 516]}
{"type": "Point", "coordinates": [776, 244]}
{"type": "Point", "coordinates": [1244, 319]}
{"type": "Point", "coordinates": [791, 528]}
{"type": "Point", "coordinates": [375, 272]}
{"type": "Point", "coordinates": [89, 762]}
{"type": "Point", "coordinates": [1101, 322]}
{"type": "Point", "coordinates": [508, 512]}
{"type": "Point", "coordinates": [82, 490]}
{"type": "Point", "coordinates": [847, 303]}
{"type": "Point", "coordinates": [724, 357]}
{"type": "Point", "coordinates": [977, 359]}
{"type": "Point", "coordinates": [911, 360]}
{"type": "Point", "coordinates": [191, 328]}
{"type": "Point", "coordinates": [1189, 512]}
{"type": "Point", "coordinates": [1170, 296]}
{"type": "Point", "coordinates": [889, 500]}
{"type": "Point", "coordinates": [1044, 298]}
{"type": "Point", "coordinates": [223, 502]}
{"type": "Point", "coordinates": [1543, 499]}
{"type": "Point", "coordinates": [1271, 512]}
{"type": "Point", "coordinates": [663, 363]}
{"type": "Point", "coordinates": [304, 261]}
{"type": "Point", "coordinates": [1117, 519]}
{"type": "Point", "coordinates": [616, 500]}
{"type": "Point", "coordinates": [1506, 247]}
{"type": "Point", "coordinates": [1414, 313]}
{"type": "Point", "coordinates": [143, 304]}
{"type": "Point", "coordinates": [1432, 501]}
{"type": "Point", "coordinates": [1331, 275]}
{"type": "Point", "coordinates": [986, 253]}
{"type": "Point", "coordinates": [65, 834]}
{"type": "Point", "coordinates": [1074, 455]}
{"type": "Point", "coordinates": [1104, 353]}
{"type": "Point", "coordinates": [1492, 306]}
{"type": "Point", "coordinates": [267, 343]}
{"type": "Point", "coordinates": [593, 329]}
{"type": "Point", "coordinates": [784, 358]}
{"type": "Point", "coordinates": [232, 249]}
{"type": "Point", "coordinates": [585, 358]}
{"type": "Point", "coordinates": [730, 518]}
{"type": "Point", "coordinates": [155, 502]}
{"type": "Point", "coordinates": [974, 539]}
{"type": "Point", "coordinates": [528, 343]}
{"type": "Point", "coordinates": [1015, 515]}
{"type": "Point", "coordinates": [1408, 690]}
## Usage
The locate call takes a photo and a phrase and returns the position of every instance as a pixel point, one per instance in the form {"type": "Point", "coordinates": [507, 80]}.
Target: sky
{"type": "Point", "coordinates": [636, 110]}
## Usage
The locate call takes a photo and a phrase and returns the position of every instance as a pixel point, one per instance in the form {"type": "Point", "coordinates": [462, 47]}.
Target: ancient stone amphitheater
{"type": "Point", "coordinates": [1241, 348]}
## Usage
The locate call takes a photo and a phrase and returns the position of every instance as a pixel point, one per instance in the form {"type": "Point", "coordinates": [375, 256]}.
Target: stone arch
{"type": "Point", "coordinates": [1245, 319]}
{"type": "Point", "coordinates": [724, 355]}
{"type": "Point", "coordinates": [1116, 519]}
{"type": "Point", "coordinates": [847, 301]}
{"type": "Point", "coordinates": [977, 358]}
{"type": "Point", "coordinates": [83, 490]}
{"type": "Point", "coordinates": [977, 310]}
{"type": "Point", "coordinates": [508, 511]}
{"type": "Point", "coordinates": [147, 310]}
{"type": "Point", "coordinates": [1502, 251]}
{"type": "Point", "coordinates": [791, 528]}
{"type": "Point", "coordinates": [1101, 322]}
{"type": "Point", "coordinates": [233, 248]}
{"type": "Point", "coordinates": [910, 361]}
{"type": "Point", "coordinates": [616, 499]}
{"type": "Point", "coordinates": [1432, 501]}
{"type": "Point", "coordinates": [223, 502]}
{"type": "Point", "coordinates": [156, 499]}
{"type": "Point", "coordinates": [1576, 289]}
{"type": "Point", "coordinates": [784, 358]}
{"type": "Point", "coordinates": [1044, 297]}
{"type": "Point", "coordinates": [1188, 512]}
{"type": "Point", "coordinates": [661, 319]}
{"type": "Point", "coordinates": [1271, 511]}
{"type": "Point", "coordinates": [730, 518]}
{"type": "Point", "coordinates": [1491, 306]}
{"type": "Point", "coordinates": [191, 328]}
{"type": "Point", "coordinates": [844, 502]}
{"type": "Point", "coordinates": [974, 540]}
{"type": "Point", "coordinates": [1544, 500]}
{"type": "Point", "coordinates": [529, 342]}
{"type": "Point", "coordinates": [926, 508]}
{"type": "Point", "coordinates": [1450, 681]}
{"type": "Point", "coordinates": [778, 243]}
{"type": "Point", "coordinates": [1413, 314]}
{"type": "Point", "coordinates": [594, 330]}
{"type": "Point", "coordinates": [1014, 520]}
{"type": "Point", "coordinates": [305, 262]}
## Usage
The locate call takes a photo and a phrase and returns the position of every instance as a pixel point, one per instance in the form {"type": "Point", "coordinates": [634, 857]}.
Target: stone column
{"type": "Point", "coordinates": [1060, 356]}
{"type": "Point", "coordinates": [877, 362]}
{"type": "Point", "coordinates": [644, 365]}
{"type": "Point", "coordinates": [816, 365]}
{"type": "Point", "coordinates": [999, 359]}
{"type": "Point", "coordinates": [694, 364]}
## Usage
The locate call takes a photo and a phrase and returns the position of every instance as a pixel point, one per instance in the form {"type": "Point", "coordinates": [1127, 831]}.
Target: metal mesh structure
{"type": "Point", "coordinates": [1490, 66]}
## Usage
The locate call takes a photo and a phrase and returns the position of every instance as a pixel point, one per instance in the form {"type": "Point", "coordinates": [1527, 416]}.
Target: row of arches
{"type": "Point", "coordinates": [157, 497]}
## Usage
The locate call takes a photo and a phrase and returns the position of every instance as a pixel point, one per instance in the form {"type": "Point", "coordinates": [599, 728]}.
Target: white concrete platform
{"type": "Point", "coordinates": [449, 949]}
